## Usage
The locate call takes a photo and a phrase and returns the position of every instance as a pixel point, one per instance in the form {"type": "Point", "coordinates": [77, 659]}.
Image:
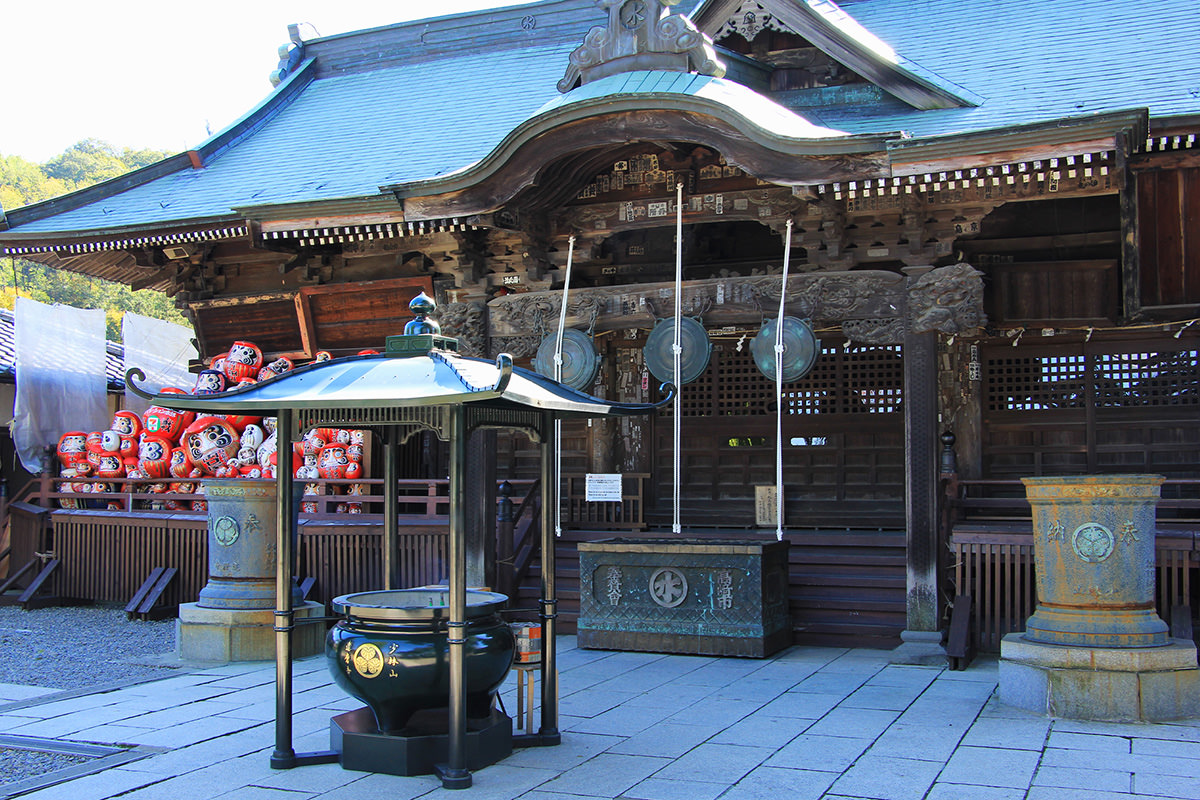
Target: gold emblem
{"type": "Point", "coordinates": [368, 660]}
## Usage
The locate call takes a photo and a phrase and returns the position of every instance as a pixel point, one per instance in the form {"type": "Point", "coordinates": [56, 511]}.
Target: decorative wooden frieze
{"type": "Point", "coordinates": [749, 21]}
{"type": "Point", "coordinates": [515, 346]}
{"type": "Point", "coordinates": [1021, 180]}
{"type": "Point", "coordinates": [826, 297]}
{"type": "Point", "coordinates": [641, 35]}
{"type": "Point", "coordinates": [874, 307]}
{"type": "Point", "coordinates": [759, 205]}
{"type": "Point", "coordinates": [465, 322]}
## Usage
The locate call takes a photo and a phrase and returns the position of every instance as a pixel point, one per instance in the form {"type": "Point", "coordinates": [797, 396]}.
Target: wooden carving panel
{"type": "Point", "coordinates": [1169, 236]}
{"type": "Point", "coordinates": [269, 323]}
{"type": "Point", "coordinates": [1057, 292]}
{"type": "Point", "coordinates": [352, 317]}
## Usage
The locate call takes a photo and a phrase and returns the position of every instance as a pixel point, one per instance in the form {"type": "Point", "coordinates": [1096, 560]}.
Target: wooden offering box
{"type": "Point", "coordinates": [702, 597]}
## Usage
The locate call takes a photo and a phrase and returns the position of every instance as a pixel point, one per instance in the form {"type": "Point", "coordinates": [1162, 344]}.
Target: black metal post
{"type": "Point", "coordinates": [504, 543]}
{"type": "Point", "coordinates": [454, 773]}
{"type": "Point", "coordinates": [391, 502]}
{"type": "Point", "coordinates": [284, 756]}
{"type": "Point", "coordinates": [549, 732]}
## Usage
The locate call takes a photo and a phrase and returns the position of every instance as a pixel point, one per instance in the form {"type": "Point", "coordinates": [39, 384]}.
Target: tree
{"type": "Point", "coordinates": [92, 161]}
{"type": "Point", "coordinates": [82, 164]}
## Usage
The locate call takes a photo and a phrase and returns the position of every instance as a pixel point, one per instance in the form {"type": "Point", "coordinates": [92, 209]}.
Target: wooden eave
{"type": "Point", "coordinates": [998, 146]}
{"type": "Point", "coordinates": [648, 116]}
{"type": "Point", "coordinates": [890, 76]}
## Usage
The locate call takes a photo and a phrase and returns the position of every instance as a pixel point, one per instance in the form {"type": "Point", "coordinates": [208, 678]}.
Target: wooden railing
{"type": "Point", "coordinates": [628, 514]}
{"type": "Point", "coordinates": [989, 533]}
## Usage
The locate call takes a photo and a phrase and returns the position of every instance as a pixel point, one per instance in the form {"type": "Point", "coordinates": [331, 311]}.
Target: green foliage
{"type": "Point", "coordinates": [80, 165]}
{"type": "Point", "coordinates": [23, 182]}
{"type": "Point", "coordinates": [47, 285]}
{"type": "Point", "coordinates": [92, 161]}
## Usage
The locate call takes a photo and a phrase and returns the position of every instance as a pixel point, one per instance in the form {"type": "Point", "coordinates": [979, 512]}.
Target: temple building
{"type": "Point", "coordinates": [990, 211]}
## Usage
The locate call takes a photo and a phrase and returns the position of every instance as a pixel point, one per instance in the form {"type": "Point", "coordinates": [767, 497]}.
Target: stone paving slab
{"type": "Point", "coordinates": [808, 724]}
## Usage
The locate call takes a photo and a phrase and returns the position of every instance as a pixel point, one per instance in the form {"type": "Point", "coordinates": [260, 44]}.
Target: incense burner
{"type": "Point", "coordinates": [391, 652]}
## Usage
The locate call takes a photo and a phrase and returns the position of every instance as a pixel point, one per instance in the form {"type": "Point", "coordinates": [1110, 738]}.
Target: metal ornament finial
{"type": "Point", "coordinates": [422, 306]}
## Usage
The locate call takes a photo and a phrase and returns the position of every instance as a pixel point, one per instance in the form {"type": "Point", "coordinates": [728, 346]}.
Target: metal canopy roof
{"type": "Point", "coordinates": [382, 381]}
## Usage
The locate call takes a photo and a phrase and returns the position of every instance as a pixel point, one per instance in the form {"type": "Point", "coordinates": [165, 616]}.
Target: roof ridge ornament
{"type": "Point", "coordinates": [641, 35]}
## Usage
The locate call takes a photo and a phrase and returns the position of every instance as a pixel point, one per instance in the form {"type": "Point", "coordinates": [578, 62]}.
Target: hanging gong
{"type": "Point", "coordinates": [580, 362]}
{"type": "Point", "coordinates": [695, 350]}
{"type": "Point", "coordinates": [800, 349]}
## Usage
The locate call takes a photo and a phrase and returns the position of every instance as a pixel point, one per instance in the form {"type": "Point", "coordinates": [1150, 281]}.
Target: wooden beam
{"type": "Point", "coordinates": [1131, 290]}
{"type": "Point", "coordinates": [950, 163]}
{"type": "Point", "coordinates": [307, 333]}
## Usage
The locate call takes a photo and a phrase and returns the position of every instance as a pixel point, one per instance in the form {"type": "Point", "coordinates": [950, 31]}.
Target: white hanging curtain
{"type": "Point", "coordinates": [61, 384]}
{"type": "Point", "coordinates": [160, 349]}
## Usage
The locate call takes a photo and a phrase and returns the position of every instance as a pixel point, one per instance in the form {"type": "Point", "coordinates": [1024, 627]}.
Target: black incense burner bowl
{"type": "Point", "coordinates": [390, 651]}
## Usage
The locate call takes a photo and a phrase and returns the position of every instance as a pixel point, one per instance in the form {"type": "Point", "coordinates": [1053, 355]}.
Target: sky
{"type": "Point", "coordinates": [158, 74]}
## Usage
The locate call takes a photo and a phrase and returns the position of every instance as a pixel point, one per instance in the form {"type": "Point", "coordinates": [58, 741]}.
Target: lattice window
{"type": "Point", "coordinates": [861, 380]}
{"type": "Point", "coordinates": [1148, 379]}
{"type": "Point", "coordinates": [1033, 382]}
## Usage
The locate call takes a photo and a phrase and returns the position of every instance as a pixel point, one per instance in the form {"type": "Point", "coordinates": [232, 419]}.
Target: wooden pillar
{"type": "Point", "coordinates": [481, 509]}
{"type": "Point", "coordinates": [284, 756]}
{"type": "Point", "coordinates": [922, 450]}
{"type": "Point", "coordinates": [1131, 291]}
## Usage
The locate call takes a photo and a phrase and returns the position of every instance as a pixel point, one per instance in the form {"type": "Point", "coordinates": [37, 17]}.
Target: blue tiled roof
{"type": "Point", "coordinates": [752, 106]}
{"type": "Point", "coordinates": [1035, 62]}
{"type": "Point", "coordinates": [346, 135]}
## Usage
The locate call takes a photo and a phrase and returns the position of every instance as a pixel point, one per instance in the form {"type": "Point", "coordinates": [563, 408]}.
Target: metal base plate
{"type": "Point", "coordinates": [421, 747]}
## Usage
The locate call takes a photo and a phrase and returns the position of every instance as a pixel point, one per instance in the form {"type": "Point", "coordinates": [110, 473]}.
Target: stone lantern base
{"type": "Point", "coordinates": [1145, 684]}
{"type": "Point", "coordinates": [223, 635]}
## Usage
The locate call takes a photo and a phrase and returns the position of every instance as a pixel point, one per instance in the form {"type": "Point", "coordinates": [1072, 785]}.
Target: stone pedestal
{"type": "Point", "coordinates": [222, 635]}
{"type": "Point", "coordinates": [1150, 684]}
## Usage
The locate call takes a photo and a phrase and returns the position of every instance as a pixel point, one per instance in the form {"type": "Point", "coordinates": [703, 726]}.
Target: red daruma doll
{"type": "Point", "coordinates": [166, 423]}
{"type": "Point", "coordinates": [244, 360]}
{"type": "Point", "coordinates": [72, 449]}
{"type": "Point", "coordinates": [211, 443]}
{"type": "Point", "coordinates": [154, 456]}
{"type": "Point", "coordinates": [333, 462]}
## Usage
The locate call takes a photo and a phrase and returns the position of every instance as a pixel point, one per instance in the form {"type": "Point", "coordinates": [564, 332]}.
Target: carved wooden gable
{"type": "Point", "coordinates": [641, 35]}
{"type": "Point", "coordinates": [816, 45]}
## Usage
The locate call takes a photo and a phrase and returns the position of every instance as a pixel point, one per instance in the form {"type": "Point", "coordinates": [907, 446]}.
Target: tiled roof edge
{"type": "Point", "coordinates": [214, 146]}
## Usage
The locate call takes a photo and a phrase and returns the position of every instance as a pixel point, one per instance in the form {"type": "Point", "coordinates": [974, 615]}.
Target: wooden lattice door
{"type": "Point", "coordinates": [843, 459]}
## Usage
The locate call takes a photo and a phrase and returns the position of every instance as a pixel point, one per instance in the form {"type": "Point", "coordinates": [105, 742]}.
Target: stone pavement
{"type": "Point", "coordinates": [809, 723]}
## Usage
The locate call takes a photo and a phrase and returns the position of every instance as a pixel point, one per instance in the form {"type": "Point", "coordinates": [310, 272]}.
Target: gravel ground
{"type": "Point", "coordinates": [70, 648]}
{"type": "Point", "coordinates": [19, 765]}
{"type": "Point", "coordinates": [81, 647]}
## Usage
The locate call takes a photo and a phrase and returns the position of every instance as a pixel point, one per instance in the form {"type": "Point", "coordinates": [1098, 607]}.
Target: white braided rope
{"type": "Point", "coordinates": [558, 362]}
{"type": "Point", "coordinates": [787, 257]}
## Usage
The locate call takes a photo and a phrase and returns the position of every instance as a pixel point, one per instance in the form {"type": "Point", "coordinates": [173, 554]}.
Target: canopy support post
{"type": "Point", "coordinates": [454, 772]}
{"type": "Point", "coordinates": [284, 756]}
{"type": "Point", "coordinates": [548, 733]}
{"type": "Point", "coordinates": [391, 504]}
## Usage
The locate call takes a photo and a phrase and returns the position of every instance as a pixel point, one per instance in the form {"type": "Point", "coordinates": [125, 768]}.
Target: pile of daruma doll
{"type": "Point", "coordinates": [171, 452]}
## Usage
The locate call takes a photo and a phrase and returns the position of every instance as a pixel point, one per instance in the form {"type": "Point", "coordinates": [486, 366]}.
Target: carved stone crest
{"type": "Point", "coordinates": [641, 35]}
